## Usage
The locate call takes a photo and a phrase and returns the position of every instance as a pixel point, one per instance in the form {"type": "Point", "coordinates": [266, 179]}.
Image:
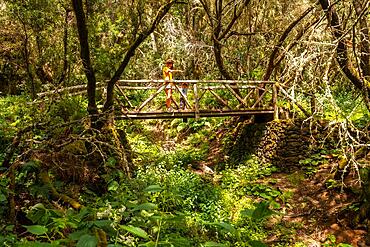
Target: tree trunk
{"type": "Point", "coordinates": [65, 48]}
{"type": "Point", "coordinates": [364, 40]}
{"type": "Point", "coordinates": [26, 55]}
{"type": "Point", "coordinates": [342, 56]}
{"type": "Point", "coordinates": [85, 55]}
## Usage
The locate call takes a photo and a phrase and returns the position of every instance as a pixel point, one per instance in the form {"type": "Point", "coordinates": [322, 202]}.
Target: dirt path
{"type": "Point", "coordinates": [314, 213]}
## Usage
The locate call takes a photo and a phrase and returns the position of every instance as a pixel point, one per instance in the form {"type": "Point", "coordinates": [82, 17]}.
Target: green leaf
{"type": "Point", "coordinates": [213, 244]}
{"type": "Point", "coordinates": [275, 193]}
{"type": "Point", "coordinates": [102, 223]}
{"type": "Point", "coordinates": [38, 214]}
{"type": "Point", "coordinates": [9, 228]}
{"type": "Point", "coordinates": [2, 197]}
{"type": "Point", "coordinates": [30, 166]}
{"type": "Point", "coordinates": [264, 195]}
{"type": "Point", "coordinates": [181, 127]}
{"type": "Point", "coordinates": [226, 226]}
{"type": "Point", "coordinates": [113, 186]}
{"type": "Point", "coordinates": [262, 211]}
{"type": "Point", "coordinates": [87, 240]}
{"type": "Point", "coordinates": [36, 229]}
{"type": "Point", "coordinates": [145, 206]}
{"type": "Point", "coordinates": [247, 212]}
{"type": "Point", "coordinates": [149, 244]}
{"type": "Point", "coordinates": [38, 244]}
{"type": "Point", "coordinates": [275, 205]}
{"type": "Point", "coordinates": [111, 162]}
{"type": "Point", "coordinates": [153, 188]}
{"type": "Point", "coordinates": [77, 234]}
{"type": "Point", "coordinates": [106, 225]}
{"type": "Point", "coordinates": [255, 243]}
{"type": "Point", "coordinates": [136, 231]}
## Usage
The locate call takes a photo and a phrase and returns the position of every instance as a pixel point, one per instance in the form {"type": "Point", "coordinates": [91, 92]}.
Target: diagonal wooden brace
{"type": "Point", "coordinates": [236, 95]}
{"type": "Point", "coordinates": [151, 97]}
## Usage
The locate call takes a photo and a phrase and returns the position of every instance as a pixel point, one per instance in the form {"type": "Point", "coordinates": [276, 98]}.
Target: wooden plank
{"type": "Point", "coordinates": [137, 87]}
{"type": "Point", "coordinates": [190, 114]}
{"type": "Point", "coordinates": [203, 87]}
{"type": "Point", "coordinates": [125, 82]}
{"type": "Point", "coordinates": [175, 102]}
{"type": "Point", "coordinates": [199, 81]}
{"type": "Point", "coordinates": [102, 84]}
{"type": "Point", "coordinates": [224, 87]}
{"type": "Point", "coordinates": [201, 96]}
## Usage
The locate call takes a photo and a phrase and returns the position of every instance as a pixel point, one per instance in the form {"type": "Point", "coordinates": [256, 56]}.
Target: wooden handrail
{"type": "Point", "coordinates": [199, 81]}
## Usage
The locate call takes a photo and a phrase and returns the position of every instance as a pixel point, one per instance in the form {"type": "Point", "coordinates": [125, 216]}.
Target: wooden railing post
{"type": "Point", "coordinates": [196, 100]}
{"type": "Point", "coordinates": [274, 101]}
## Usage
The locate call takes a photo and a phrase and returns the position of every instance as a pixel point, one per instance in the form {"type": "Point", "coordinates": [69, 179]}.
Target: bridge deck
{"type": "Point", "coordinates": [192, 114]}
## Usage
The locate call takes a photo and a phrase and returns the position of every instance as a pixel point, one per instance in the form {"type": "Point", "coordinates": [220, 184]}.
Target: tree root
{"type": "Point", "coordinates": [45, 178]}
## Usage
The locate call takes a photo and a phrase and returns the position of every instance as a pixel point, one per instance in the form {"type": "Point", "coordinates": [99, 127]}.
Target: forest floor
{"type": "Point", "coordinates": [318, 210]}
{"type": "Point", "coordinates": [317, 213]}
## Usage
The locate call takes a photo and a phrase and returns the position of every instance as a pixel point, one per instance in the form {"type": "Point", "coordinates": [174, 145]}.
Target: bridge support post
{"type": "Point", "coordinates": [274, 101]}
{"type": "Point", "coordinates": [196, 101]}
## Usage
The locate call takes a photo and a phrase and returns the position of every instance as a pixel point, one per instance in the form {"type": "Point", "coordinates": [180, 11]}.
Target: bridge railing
{"type": "Point", "coordinates": [204, 98]}
{"type": "Point", "coordinates": [146, 99]}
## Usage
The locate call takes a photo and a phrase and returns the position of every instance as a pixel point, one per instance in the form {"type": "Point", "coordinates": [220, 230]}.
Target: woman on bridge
{"type": "Point", "coordinates": [168, 79]}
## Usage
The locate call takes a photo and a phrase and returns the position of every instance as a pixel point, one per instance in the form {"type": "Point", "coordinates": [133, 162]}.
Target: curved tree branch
{"type": "Point", "coordinates": [131, 51]}
{"type": "Point", "coordinates": [237, 14]}
{"type": "Point", "coordinates": [219, 34]}
{"type": "Point", "coordinates": [271, 65]}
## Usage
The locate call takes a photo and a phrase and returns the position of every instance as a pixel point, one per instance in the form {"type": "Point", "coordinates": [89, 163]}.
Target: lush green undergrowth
{"type": "Point", "coordinates": [166, 202]}
{"type": "Point", "coordinates": [159, 207]}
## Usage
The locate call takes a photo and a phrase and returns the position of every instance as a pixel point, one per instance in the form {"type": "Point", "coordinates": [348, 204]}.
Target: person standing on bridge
{"type": "Point", "coordinates": [168, 79]}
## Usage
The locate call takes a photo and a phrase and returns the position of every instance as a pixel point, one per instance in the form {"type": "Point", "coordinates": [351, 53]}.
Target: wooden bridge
{"type": "Point", "coordinates": [145, 99]}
